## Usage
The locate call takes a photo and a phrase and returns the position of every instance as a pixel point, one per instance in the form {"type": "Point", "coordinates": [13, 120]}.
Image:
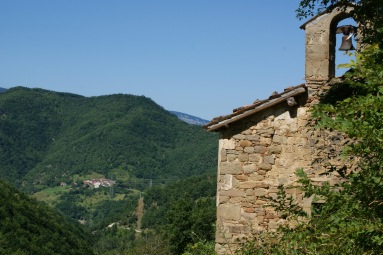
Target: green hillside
{"type": "Point", "coordinates": [52, 145]}
{"type": "Point", "coordinates": [29, 227]}
{"type": "Point", "coordinates": [47, 137]}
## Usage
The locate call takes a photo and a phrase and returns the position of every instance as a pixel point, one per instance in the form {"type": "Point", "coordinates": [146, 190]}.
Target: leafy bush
{"type": "Point", "coordinates": [200, 248]}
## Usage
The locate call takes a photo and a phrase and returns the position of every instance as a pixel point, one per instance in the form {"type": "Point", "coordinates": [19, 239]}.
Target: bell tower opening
{"type": "Point", "coordinates": [345, 56]}
{"type": "Point", "coordinates": [324, 34]}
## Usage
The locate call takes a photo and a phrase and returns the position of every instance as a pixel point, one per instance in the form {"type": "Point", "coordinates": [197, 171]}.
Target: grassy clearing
{"type": "Point", "coordinates": [100, 195]}
{"type": "Point", "coordinates": [50, 195]}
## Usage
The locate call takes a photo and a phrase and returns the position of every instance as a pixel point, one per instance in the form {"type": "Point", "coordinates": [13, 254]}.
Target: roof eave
{"type": "Point", "coordinates": [261, 107]}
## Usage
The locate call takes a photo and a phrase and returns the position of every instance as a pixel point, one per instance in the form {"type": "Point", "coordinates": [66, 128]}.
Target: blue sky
{"type": "Point", "coordinates": [201, 57]}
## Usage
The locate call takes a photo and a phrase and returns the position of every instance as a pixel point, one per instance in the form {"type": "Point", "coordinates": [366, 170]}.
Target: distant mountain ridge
{"type": "Point", "coordinates": [51, 143]}
{"type": "Point", "coordinates": [190, 119]}
{"type": "Point", "coordinates": [47, 136]}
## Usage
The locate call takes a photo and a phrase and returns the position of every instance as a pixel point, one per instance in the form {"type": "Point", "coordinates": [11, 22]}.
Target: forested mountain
{"type": "Point", "coordinates": [58, 146]}
{"type": "Point", "coordinates": [2, 90]}
{"type": "Point", "coordinates": [29, 227]}
{"type": "Point", "coordinates": [47, 137]}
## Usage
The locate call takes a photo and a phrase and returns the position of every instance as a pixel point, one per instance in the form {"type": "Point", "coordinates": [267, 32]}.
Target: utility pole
{"type": "Point", "coordinates": [111, 189]}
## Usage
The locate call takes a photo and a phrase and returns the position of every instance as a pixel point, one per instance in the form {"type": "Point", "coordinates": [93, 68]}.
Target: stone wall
{"type": "Point", "coordinates": [264, 150]}
{"type": "Point", "coordinates": [258, 154]}
{"type": "Point", "coordinates": [320, 45]}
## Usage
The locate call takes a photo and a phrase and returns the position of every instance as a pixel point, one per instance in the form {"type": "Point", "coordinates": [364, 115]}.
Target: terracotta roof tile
{"type": "Point", "coordinates": [220, 121]}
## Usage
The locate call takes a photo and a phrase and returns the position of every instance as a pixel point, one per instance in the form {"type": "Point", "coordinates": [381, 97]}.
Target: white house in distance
{"type": "Point", "coordinates": [96, 183]}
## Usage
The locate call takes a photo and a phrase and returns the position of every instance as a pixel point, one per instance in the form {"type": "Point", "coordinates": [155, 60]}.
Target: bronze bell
{"type": "Point", "coordinates": [346, 44]}
{"type": "Point", "coordinates": [348, 31]}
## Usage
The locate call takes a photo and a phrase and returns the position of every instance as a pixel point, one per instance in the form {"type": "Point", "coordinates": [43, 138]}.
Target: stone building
{"type": "Point", "coordinates": [262, 145]}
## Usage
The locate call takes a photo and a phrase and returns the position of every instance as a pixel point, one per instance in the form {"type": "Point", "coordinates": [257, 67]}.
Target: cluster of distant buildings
{"type": "Point", "coordinates": [96, 183]}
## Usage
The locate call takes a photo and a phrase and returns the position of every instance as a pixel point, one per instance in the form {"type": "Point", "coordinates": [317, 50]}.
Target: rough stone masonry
{"type": "Point", "coordinates": [262, 145]}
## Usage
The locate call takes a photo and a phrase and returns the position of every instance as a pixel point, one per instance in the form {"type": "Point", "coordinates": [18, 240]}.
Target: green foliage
{"type": "Point", "coordinates": [286, 205]}
{"type": "Point", "coordinates": [359, 115]}
{"type": "Point", "coordinates": [340, 224]}
{"type": "Point", "coordinates": [200, 248]}
{"type": "Point", "coordinates": [159, 198]}
{"type": "Point", "coordinates": [29, 227]}
{"type": "Point", "coordinates": [114, 240]}
{"type": "Point", "coordinates": [189, 222]}
{"type": "Point", "coordinates": [183, 211]}
{"type": "Point", "coordinates": [46, 137]}
{"type": "Point", "coordinates": [150, 244]}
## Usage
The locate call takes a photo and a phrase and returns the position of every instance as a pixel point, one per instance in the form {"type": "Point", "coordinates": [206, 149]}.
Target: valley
{"type": "Point", "coordinates": [96, 159]}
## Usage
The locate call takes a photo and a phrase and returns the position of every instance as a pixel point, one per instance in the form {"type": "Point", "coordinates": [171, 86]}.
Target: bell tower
{"type": "Point", "coordinates": [320, 44]}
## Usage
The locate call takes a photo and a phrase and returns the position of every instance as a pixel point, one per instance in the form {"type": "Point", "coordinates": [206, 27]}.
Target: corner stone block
{"type": "Point", "coordinates": [227, 182]}
{"type": "Point", "coordinates": [229, 212]}
{"type": "Point", "coordinates": [223, 155]}
{"type": "Point", "coordinates": [230, 168]}
{"type": "Point", "coordinates": [227, 144]}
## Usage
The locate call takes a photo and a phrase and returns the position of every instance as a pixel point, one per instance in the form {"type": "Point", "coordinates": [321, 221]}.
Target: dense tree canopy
{"type": "Point", "coordinates": [183, 211]}
{"type": "Point", "coordinates": [46, 136]}
{"type": "Point", "coordinates": [30, 227]}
